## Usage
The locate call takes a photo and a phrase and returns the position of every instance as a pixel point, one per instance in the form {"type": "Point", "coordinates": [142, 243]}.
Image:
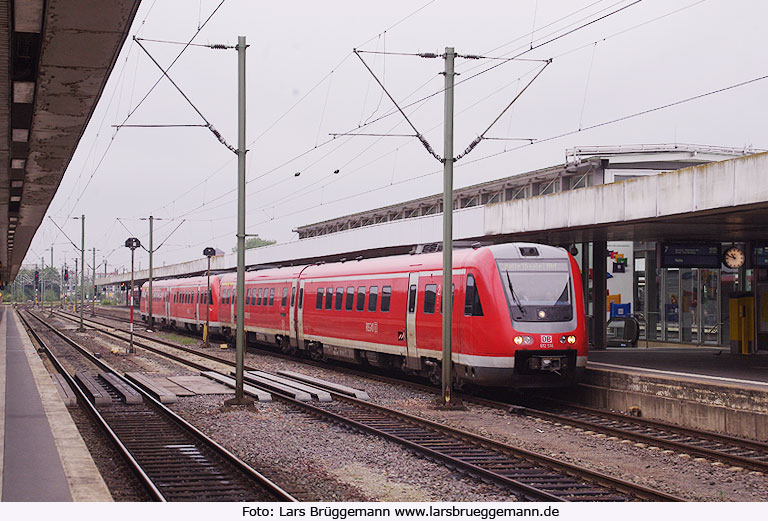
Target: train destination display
{"type": "Point", "coordinates": [689, 255]}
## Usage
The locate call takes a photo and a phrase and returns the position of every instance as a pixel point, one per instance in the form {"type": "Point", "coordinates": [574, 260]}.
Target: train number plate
{"type": "Point", "coordinates": [546, 341]}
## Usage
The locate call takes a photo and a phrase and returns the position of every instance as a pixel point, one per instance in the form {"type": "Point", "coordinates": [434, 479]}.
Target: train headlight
{"type": "Point", "coordinates": [563, 339]}
{"type": "Point", "coordinates": [518, 340]}
{"type": "Point", "coordinates": [571, 339]}
{"type": "Point", "coordinates": [523, 340]}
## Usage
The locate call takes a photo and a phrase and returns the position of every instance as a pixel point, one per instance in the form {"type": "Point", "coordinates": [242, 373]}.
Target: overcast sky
{"type": "Point", "coordinates": [304, 82]}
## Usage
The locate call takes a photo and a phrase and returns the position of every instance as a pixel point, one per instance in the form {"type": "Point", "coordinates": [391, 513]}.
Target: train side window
{"type": "Point", "coordinates": [361, 298]}
{"type": "Point", "coordinates": [349, 304]}
{"type": "Point", "coordinates": [258, 296]}
{"type": "Point", "coordinates": [271, 296]}
{"type": "Point", "coordinates": [248, 297]}
{"type": "Point", "coordinates": [412, 298]}
{"type": "Point", "coordinates": [293, 295]}
{"type": "Point", "coordinates": [453, 292]}
{"type": "Point", "coordinates": [328, 298]}
{"type": "Point", "coordinates": [430, 297]}
{"type": "Point", "coordinates": [319, 299]}
{"type": "Point", "coordinates": [386, 295]}
{"type": "Point", "coordinates": [285, 297]}
{"type": "Point", "coordinates": [472, 306]}
{"type": "Point", "coordinates": [373, 297]}
{"type": "Point", "coordinates": [301, 297]}
{"type": "Point", "coordinates": [339, 298]}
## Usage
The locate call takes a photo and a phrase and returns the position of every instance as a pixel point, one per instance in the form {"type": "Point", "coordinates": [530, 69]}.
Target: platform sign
{"type": "Point", "coordinates": [761, 256]}
{"type": "Point", "coordinates": [688, 255]}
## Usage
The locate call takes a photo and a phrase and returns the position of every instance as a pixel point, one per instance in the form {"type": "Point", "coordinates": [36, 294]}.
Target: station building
{"type": "Point", "coordinates": [687, 305]}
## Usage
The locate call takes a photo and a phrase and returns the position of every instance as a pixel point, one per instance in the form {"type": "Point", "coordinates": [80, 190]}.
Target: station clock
{"type": "Point", "coordinates": [734, 257]}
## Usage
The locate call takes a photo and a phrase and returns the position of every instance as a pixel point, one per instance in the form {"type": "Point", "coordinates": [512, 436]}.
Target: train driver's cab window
{"type": "Point", "coordinates": [319, 300]}
{"type": "Point", "coordinates": [386, 295]}
{"type": "Point", "coordinates": [430, 297]}
{"type": "Point", "coordinates": [472, 306]}
{"type": "Point", "coordinates": [373, 297]}
{"type": "Point", "coordinates": [412, 298]}
{"type": "Point", "coordinates": [329, 298]}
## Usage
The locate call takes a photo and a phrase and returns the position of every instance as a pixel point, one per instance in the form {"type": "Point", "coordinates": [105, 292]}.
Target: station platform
{"type": "Point", "coordinates": [42, 455]}
{"type": "Point", "coordinates": [707, 363]}
{"type": "Point", "coordinates": [701, 387]}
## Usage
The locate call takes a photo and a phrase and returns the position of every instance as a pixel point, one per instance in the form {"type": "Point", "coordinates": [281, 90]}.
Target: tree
{"type": "Point", "coordinates": [255, 242]}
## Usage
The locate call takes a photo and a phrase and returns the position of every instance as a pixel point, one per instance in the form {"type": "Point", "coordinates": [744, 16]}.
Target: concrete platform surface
{"type": "Point", "coordinates": [716, 364]}
{"type": "Point", "coordinates": [42, 455]}
{"type": "Point", "coordinates": [701, 387]}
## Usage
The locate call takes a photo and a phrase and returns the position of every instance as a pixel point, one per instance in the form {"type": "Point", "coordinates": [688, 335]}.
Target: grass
{"type": "Point", "coordinates": [180, 339]}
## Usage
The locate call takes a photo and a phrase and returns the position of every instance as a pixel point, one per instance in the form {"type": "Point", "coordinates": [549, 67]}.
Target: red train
{"type": "Point", "coordinates": [518, 317]}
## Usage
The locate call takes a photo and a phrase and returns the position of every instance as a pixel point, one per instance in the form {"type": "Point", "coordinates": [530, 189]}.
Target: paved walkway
{"type": "Point", "coordinates": [714, 363]}
{"type": "Point", "coordinates": [42, 456]}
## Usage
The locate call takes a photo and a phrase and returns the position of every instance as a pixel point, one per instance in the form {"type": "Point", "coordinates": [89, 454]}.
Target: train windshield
{"type": "Point", "coordinates": [537, 290]}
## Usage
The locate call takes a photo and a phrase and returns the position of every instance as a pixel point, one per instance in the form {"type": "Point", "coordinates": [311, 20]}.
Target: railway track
{"type": "Point", "coordinates": [528, 475]}
{"type": "Point", "coordinates": [740, 452]}
{"type": "Point", "coordinates": [174, 461]}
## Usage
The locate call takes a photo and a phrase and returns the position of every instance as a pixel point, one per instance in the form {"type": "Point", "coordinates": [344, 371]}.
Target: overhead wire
{"type": "Point", "coordinates": [538, 141]}
{"type": "Point", "coordinates": [423, 99]}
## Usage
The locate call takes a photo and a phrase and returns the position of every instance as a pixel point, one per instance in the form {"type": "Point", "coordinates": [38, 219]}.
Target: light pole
{"type": "Point", "coordinates": [208, 252]}
{"type": "Point", "coordinates": [82, 272]}
{"type": "Point", "coordinates": [132, 243]}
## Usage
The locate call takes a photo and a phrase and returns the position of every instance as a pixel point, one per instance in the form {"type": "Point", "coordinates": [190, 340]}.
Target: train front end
{"type": "Point", "coordinates": [547, 325]}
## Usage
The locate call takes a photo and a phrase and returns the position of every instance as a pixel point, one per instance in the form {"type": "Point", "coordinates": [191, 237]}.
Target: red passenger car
{"type": "Point", "coordinates": [518, 313]}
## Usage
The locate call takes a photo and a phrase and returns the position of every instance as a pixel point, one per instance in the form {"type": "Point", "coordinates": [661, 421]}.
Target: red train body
{"type": "Point", "coordinates": [518, 313]}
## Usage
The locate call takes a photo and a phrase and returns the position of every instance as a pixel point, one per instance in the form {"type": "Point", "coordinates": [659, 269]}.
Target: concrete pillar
{"type": "Point", "coordinates": [652, 304]}
{"type": "Point", "coordinates": [599, 286]}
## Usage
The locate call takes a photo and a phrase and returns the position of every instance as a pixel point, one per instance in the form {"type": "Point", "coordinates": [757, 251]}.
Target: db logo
{"type": "Point", "coordinates": [546, 339]}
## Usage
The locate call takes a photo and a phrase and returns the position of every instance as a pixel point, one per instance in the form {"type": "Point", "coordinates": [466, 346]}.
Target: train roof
{"type": "Point", "coordinates": [425, 261]}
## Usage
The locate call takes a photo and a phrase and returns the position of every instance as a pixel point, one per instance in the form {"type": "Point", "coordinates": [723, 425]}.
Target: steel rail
{"type": "Point", "coordinates": [663, 430]}
{"type": "Point", "coordinates": [566, 471]}
{"type": "Point", "coordinates": [268, 486]}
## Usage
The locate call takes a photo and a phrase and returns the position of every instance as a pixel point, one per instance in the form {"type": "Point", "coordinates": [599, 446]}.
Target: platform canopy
{"type": "Point", "coordinates": [55, 58]}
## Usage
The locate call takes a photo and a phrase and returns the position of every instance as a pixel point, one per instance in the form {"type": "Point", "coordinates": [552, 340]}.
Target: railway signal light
{"type": "Point", "coordinates": [66, 275]}
{"type": "Point", "coordinates": [37, 279]}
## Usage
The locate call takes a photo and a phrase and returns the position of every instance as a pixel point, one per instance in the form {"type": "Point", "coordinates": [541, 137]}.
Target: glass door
{"type": "Point", "coordinates": [711, 328]}
{"type": "Point", "coordinates": [689, 304]}
{"type": "Point", "coordinates": [672, 304]}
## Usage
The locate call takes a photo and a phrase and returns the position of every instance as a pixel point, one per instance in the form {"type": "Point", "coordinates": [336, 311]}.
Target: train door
{"type": "Point", "coordinates": [167, 304]}
{"type": "Point", "coordinates": [410, 317]}
{"type": "Point", "coordinates": [300, 315]}
{"type": "Point", "coordinates": [292, 314]}
{"type": "Point", "coordinates": [198, 301]}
